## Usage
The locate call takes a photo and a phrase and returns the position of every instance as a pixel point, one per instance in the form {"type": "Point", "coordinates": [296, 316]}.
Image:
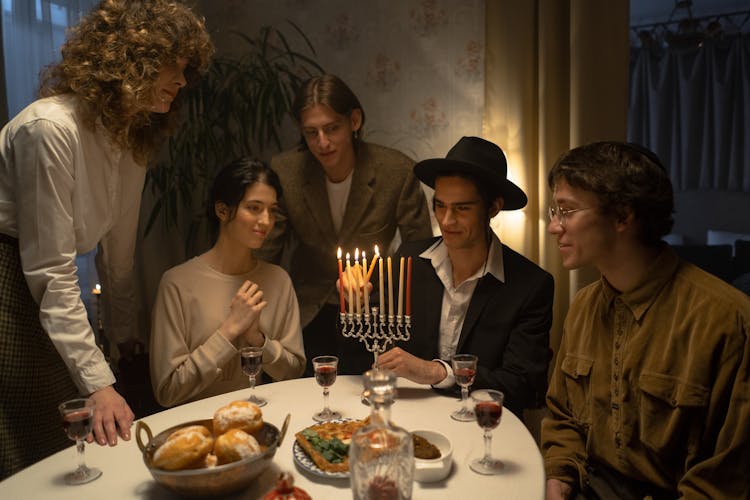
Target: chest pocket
{"type": "Point", "coordinates": [577, 372]}
{"type": "Point", "coordinates": [670, 413]}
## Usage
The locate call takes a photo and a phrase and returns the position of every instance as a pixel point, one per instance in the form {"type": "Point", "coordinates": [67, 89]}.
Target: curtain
{"type": "Point", "coordinates": [556, 78]}
{"type": "Point", "coordinates": [692, 106]}
{"type": "Point", "coordinates": [33, 31]}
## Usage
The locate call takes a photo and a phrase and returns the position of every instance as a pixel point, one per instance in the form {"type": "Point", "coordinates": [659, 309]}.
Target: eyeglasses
{"type": "Point", "coordinates": [559, 213]}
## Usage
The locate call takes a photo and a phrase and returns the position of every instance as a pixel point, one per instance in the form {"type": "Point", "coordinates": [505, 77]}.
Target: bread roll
{"type": "Point", "coordinates": [235, 444]}
{"type": "Point", "coordinates": [184, 449]}
{"type": "Point", "coordinates": [238, 415]}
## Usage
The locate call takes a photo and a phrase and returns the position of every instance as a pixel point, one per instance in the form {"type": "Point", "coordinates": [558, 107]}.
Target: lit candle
{"type": "Point", "coordinates": [382, 286]}
{"type": "Point", "coordinates": [390, 287]}
{"type": "Point", "coordinates": [351, 284]}
{"type": "Point", "coordinates": [341, 282]}
{"type": "Point", "coordinates": [401, 287]}
{"type": "Point", "coordinates": [364, 285]}
{"type": "Point", "coordinates": [357, 281]}
{"type": "Point", "coordinates": [408, 287]}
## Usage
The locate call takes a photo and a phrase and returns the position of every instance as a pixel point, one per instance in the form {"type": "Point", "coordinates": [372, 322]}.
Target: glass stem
{"type": "Point", "coordinates": [252, 382]}
{"type": "Point", "coordinates": [80, 444]}
{"type": "Point", "coordinates": [487, 446]}
{"type": "Point", "coordinates": [326, 410]}
{"type": "Point", "coordinates": [465, 398]}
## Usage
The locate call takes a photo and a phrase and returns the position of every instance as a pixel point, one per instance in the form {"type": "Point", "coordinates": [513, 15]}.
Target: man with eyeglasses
{"type": "Point", "coordinates": [474, 295]}
{"type": "Point", "coordinates": [650, 394]}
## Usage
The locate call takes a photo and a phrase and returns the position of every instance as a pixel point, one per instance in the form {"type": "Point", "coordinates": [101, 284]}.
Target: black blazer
{"type": "Point", "coordinates": [507, 325]}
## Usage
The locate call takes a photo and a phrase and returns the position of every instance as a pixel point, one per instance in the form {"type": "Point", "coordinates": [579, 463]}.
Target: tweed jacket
{"type": "Point", "coordinates": [507, 325]}
{"type": "Point", "coordinates": [384, 196]}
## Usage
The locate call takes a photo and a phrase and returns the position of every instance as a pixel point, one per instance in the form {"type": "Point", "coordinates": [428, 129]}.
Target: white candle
{"type": "Point", "coordinates": [351, 283]}
{"type": "Point", "coordinates": [401, 287]}
{"type": "Point", "coordinates": [382, 285]}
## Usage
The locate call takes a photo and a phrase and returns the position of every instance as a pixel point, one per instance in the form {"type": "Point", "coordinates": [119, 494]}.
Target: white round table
{"type": "Point", "coordinates": [417, 407]}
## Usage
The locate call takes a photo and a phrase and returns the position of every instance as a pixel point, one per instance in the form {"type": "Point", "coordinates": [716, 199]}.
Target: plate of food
{"type": "Point", "coordinates": [323, 449]}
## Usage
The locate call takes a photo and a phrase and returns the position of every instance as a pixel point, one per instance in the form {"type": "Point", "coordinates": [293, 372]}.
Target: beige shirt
{"type": "Point", "coordinates": [655, 383]}
{"type": "Point", "coordinates": [63, 189]}
{"type": "Point", "coordinates": [190, 359]}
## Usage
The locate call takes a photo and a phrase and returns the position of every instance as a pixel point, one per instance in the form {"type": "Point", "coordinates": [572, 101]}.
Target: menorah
{"type": "Point", "coordinates": [375, 331]}
{"type": "Point", "coordinates": [373, 327]}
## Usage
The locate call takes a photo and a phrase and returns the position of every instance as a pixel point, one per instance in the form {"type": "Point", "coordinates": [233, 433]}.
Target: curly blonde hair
{"type": "Point", "coordinates": [112, 59]}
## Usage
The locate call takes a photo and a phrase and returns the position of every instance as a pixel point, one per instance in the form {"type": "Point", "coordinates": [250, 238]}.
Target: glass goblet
{"type": "Point", "coordinates": [488, 407]}
{"type": "Point", "coordinates": [325, 368]}
{"type": "Point", "coordinates": [464, 369]}
{"type": "Point", "coordinates": [78, 419]}
{"type": "Point", "coordinates": [252, 362]}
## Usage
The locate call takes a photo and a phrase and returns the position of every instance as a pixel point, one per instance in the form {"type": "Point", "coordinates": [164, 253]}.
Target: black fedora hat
{"type": "Point", "coordinates": [477, 158]}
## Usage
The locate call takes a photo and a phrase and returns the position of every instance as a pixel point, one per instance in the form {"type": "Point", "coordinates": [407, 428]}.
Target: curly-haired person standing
{"type": "Point", "coordinates": [72, 167]}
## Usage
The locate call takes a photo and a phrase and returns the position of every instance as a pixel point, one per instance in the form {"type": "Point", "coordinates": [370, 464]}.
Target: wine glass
{"type": "Point", "coordinates": [464, 369]}
{"type": "Point", "coordinates": [252, 362]}
{"type": "Point", "coordinates": [325, 375]}
{"type": "Point", "coordinates": [488, 407]}
{"type": "Point", "coordinates": [78, 419]}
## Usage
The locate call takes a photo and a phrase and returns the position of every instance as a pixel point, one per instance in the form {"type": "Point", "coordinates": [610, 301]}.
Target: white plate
{"type": "Point", "coordinates": [303, 461]}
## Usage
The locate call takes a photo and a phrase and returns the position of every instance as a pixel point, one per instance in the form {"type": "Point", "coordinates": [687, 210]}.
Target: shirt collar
{"type": "Point", "coordinates": [437, 253]}
{"type": "Point", "coordinates": [645, 293]}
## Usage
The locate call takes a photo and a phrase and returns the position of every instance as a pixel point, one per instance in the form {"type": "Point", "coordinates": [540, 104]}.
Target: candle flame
{"type": "Point", "coordinates": [363, 256]}
{"type": "Point", "coordinates": [347, 256]}
{"type": "Point", "coordinates": [356, 255]}
{"type": "Point", "coordinates": [377, 252]}
{"type": "Point", "coordinates": [338, 254]}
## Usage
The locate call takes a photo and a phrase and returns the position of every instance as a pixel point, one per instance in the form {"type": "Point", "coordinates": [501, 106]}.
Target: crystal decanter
{"type": "Point", "coordinates": [381, 455]}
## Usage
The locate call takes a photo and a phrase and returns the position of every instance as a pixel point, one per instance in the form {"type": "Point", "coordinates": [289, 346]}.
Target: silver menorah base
{"type": "Point", "coordinates": [375, 331]}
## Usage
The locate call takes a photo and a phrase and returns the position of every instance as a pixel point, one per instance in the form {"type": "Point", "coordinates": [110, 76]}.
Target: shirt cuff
{"type": "Point", "coordinates": [449, 380]}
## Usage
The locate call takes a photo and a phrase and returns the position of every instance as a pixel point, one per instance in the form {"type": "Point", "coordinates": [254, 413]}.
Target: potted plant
{"type": "Point", "coordinates": [236, 110]}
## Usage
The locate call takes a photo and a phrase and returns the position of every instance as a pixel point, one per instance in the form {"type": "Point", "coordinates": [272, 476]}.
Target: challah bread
{"type": "Point", "coordinates": [235, 444]}
{"type": "Point", "coordinates": [185, 448]}
{"type": "Point", "coordinates": [238, 415]}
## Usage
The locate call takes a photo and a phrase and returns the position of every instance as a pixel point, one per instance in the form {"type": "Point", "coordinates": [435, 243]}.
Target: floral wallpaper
{"type": "Point", "coordinates": [416, 65]}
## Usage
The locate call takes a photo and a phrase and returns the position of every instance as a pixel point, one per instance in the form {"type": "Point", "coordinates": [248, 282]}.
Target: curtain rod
{"type": "Point", "coordinates": [712, 17]}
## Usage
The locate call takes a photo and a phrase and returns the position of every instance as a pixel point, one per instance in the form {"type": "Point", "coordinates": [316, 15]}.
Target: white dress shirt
{"type": "Point", "coordinates": [64, 188]}
{"type": "Point", "coordinates": [456, 299]}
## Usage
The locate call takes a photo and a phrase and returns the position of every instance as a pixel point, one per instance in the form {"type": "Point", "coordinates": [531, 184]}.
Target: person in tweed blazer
{"type": "Point", "coordinates": [339, 191]}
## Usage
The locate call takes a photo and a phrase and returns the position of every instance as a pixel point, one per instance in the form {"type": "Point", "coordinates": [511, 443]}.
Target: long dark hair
{"type": "Point", "coordinates": [231, 183]}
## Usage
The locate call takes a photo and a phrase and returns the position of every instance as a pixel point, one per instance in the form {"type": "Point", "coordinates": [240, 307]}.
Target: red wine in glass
{"type": "Point", "coordinates": [325, 376]}
{"type": "Point", "coordinates": [325, 368]}
{"type": "Point", "coordinates": [488, 414]}
{"type": "Point", "coordinates": [77, 419]}
{"type": "Point", "coordinates": [488, 408]}
{"type": "Point", "coordinates": [464, 370]}
{"type": "Point", "coordinates": [77, 424]}
{"type": "Point", "coordinates": [251, 365]}
{"type": "Point", "coordinates": [465, 376]}
{"type": "Point", "coordinates": [251, 361]}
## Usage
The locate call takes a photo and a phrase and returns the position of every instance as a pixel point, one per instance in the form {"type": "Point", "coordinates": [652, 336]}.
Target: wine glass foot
{"type": "Point", "coordinates": [82, 475]}
{"type": "Point", "coordinates": [257, 401]}
{"type": "Point", "coordinates": [487, 466]}
{"type": "Point", "coordinates": [325, 416]}
{"type": "Point", "coordinates": [464, 415]}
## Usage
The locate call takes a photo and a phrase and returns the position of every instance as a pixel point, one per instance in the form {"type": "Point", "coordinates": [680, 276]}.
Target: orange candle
{"type": "Point", "coordinates": [408, 287]}
{"type": "Point", "coordinates": [341, 282]}
{"type": "Point", "coordinates": [357, 280]}
{"type": "Point", "coordinates": [364, 285]}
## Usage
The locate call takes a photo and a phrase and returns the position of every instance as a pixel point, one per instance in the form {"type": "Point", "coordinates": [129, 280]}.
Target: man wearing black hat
{"type": "Point", "coordinates": [473, 294]}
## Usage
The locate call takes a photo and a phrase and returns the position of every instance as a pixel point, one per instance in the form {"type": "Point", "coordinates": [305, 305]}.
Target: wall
{"type": "Point", "coordinates": [417, 66]}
